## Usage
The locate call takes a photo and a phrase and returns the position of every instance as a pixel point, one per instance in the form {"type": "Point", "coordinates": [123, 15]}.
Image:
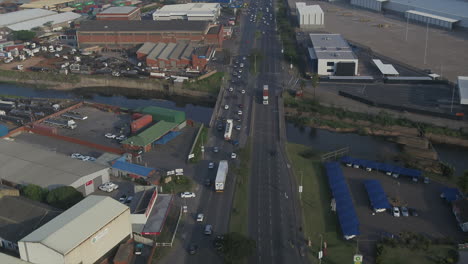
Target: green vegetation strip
{"type": "Point", "coordinates": [176, 185]}
{"type": "Point", "coordinates": [315, 202]}
{"type": "Point", "coordinates": [435, 254]}
{"type": "Point", "coordinates": [383, 118]}
{"type": "Point", "coordinates": [202, 139]}
{"type": "Point", "coordinates": [255, 60]}
{"type": "Point", "coordinates": [43, 76]}
{"type": "Point", "coordinates": [240, 207]}
{"type": "Point", "coordinates": [211, 84]}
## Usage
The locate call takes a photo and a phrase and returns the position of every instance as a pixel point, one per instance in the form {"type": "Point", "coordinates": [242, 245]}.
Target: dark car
{"type": "Point", "coordinates": [413, 212]}
{"type": "Point", "coordinates": [241, 106]}
{"type": "Point", "coordinates": [207, 182]}
{"type": "Point", "coordinates": [218, 243]}
{"type": "Point", "coordinates": [220, 126]}
{"type": "Point", "coordinates": [192, 249]}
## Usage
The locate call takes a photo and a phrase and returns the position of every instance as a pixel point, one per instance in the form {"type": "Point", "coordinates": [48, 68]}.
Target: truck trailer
{"type": "Point", "coordinates": [221, 176]}
{"type": "Point", "coordinates": [228, 130]}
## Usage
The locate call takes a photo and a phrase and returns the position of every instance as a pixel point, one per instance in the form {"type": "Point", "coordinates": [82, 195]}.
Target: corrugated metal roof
{"type": "Point", "coordinates": [161, 113]}
{"type": "Point", "coordinates": [446, 19]}
{"type": "Point", "coordinates": [302, 8]}
{"type": "Point", "coordinates": [189, 7]}
{"type": "Point", "coordinates": [72, 227]}
{"type": "Point", "coordinates": [175, 55]}
{"type": "Point", "coordinates": [23, 15]}
{"type": "Point", "coordinates": [26, 164]}
{"type": "Point", "coordinates": [133, 168]}
{"type": "Point", "coordinates": [188, 52]}
{"type": "Point", "coordinates": [150, 134]}
{"type": "Point", "coordinates": [39, 22]}
{"type": "Point", "coordinates": [146, 48]}
{"type": "Point", "coordinates": [445, 8]}
{"type": "Point", "coordinates": [385, 68]}
{"type": "Point", "coordinates": [156, 50]}
{"type": "Point", "coordinates": [167, 51]}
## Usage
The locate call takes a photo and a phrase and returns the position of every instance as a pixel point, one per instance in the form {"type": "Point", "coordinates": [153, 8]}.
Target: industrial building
{"type": "Point", "coordinates": [33, 18]}
{"type": "Point", "coordinates": [445, 14]}
{"type": "Point", "coordinates": [190, 12]}
{"type": "Point", "coordinates": [309, 16]}
{"type": "Point", "coordinates": [82, 234]}
{"type": "Point", "coordinates": [332, 55]}
{"type": "Point", "coordinates": [127, 34]}
{"type": "Point", "coordinates": [168, 121]}
{"type": "Point", "coordinates": [178, 55]}
{"type": "Point", "coordinates": [120, 13]}
{"type": "Point", "coordinates": [23, 164]}
{"type": "Point", "coordinates": [462, 82]}
{"type": "Point", "coordinates": [19, 217]}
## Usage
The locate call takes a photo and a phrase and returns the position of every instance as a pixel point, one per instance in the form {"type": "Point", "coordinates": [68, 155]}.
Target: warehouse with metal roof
{"type": "Point", "coordinates": [32, 18]}
{"type": "Point", "coordinates": [82, 234]}
{"type": "Point", "coordinates": [189, 11]}
{"type": "Point", "coordinates": [23, 164]}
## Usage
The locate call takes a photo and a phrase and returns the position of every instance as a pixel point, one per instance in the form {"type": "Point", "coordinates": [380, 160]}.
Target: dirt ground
{"type": "Point", "coordinates": [447, 51]}
{"type": "Point", "coordinates": [26, 64]}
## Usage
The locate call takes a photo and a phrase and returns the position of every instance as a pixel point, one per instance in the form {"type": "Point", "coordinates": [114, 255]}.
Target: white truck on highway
{"type": "Point", "coordinates": [228, 130]}
{"type": "Point", "coordinates": [265, 94]}
{"type": "Point", "coordinates": [221, 176]}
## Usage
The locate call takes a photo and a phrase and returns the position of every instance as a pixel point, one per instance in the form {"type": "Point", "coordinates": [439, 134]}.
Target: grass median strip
{"type": "Point", "coordinates": [317, 217]}
{"type": "Point", "coordinates": [240, 206]}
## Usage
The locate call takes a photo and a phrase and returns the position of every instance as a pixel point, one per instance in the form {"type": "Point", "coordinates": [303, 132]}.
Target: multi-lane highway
{"type": "Point", "coordinates": [273, 222]}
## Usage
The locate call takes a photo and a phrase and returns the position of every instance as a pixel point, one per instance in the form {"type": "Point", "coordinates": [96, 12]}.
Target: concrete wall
{"type": "Point", "coordinates": [39, 254]}
{"type": "Point", "coordinates": [97, 178]}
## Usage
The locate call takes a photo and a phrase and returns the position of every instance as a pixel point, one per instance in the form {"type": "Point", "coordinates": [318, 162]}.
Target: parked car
{"type": "Point", "coordinates": [238, 127]}
{"type": "Point", "coordinates": [404, 211]}
{"type": "Point", "coordinates": [138, 248]}
{"type": "Point", "coordinates": [226, 107]}
{"type": "Point", "coordinates": [413, 212]}
{"type": "Point", "coordinates": [187, 195]}
{"type": "Point", "coordinates": [105, 188]}
{"type": "Point", "coordinates": [109, 135]}
{"type": "Point", "coordinates": [76, 156]}
{"type": "Point", "coordinates": [239, 112]}
{"type": "Point", "coordinates": [123, 198]}
{"type": "Point", "coordinates": [243, 91]}
{"type": "Point", "coordinates": [200, 217]}
{"type": "Point", "coordinates": [192, 249]}
{"type": "Point", "coordinates": [129, 200]}
{"type": "Point", "coordinates": [215, 149]}
{"type": "Point", "coordinates": [121, 137]}
{"type": "Point", "coordinates": [208, 230]}
{"type": "Point", "coordinates": [233, 155]}
{"type": "Point", "coordinates": [396, 211]}
{"type": "Point", "coordinates": [231, 89]}
{"type": "Point", "coordinates": [426, 180]}
{"type": "Point", "coordinates": [211, 165]}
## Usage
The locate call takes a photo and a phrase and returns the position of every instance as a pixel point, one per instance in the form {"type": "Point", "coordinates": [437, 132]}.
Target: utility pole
{"type": "Point", "coordinates": [427, 37]}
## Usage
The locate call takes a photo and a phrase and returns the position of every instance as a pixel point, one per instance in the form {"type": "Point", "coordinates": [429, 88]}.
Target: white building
{"type": "Point", "coordinates": [332, 55]}
{"type": "Point", "coordinates": [22, 163]}
{"type": "Point", "coordinates": [32, 18]}
{"type": "Point", "coordinates": [309, 16]}
{"type": "Point", "coordinates": [463, 89]}
{"type": "Point", "coordinates": [190, 11]}
{"type": "Point", "coordinates": [82, 234]}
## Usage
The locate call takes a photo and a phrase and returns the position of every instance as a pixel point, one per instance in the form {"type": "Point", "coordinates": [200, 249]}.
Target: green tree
{"type": "Point", "coordinates": [64, 197]}
{"type": "Point", "coordinates": [237, 247]}
{"type": "Point", "coordinates": [24, 35]}
{"type": "Point", "coordinates": [315, 81]}
{"type": "Point", "coordinates": [463, 182]}
{"type": "Point", "coordinates": [35, 192]}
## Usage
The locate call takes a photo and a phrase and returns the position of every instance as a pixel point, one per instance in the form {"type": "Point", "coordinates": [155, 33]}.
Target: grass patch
{"type": "Point", "coordinates": [240, 208]}
{"type": "Point", "coordinates": [210, 84]}
{"type": "Point", "coordinates": [202, 139]}
{"type": "Point", "coordinates": [255, 60]}
{"type": "Point", "coordinates": [178, 184]}
{"type": "Point", "coordinates": [435, 254]}
{"type": "Point", "coordinates": [43, 76]}
{"type": "Point", "coordinates": [315, 204]}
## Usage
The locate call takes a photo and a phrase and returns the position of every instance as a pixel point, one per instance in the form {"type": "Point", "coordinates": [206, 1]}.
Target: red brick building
{"type": "Point", "coordinates": [128, 34]}
{"type": "Point", "coordinates": [120, 13]}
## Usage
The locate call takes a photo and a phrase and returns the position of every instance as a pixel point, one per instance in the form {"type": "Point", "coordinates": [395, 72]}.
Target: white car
{"type": "Point", "coordinates": [200, 217]}
{"type": "Point", "coordinates": [113, 185]}
{"type": "Point", "coordinates": [105, 188]}
{"type": "Point", "coordinates": [211, 165]}
{"type": "Point", "coordinates": [396, 211]}
{"type": "Point", "coordinates": [238, 127]}
{"type": "Point", "coordinates": [239, 112]}
{"type": "Point", "coordinates": [226, 107]}
{"type": "Point", "coordinates": [187, 195]}
{"type": "Point", "coordinates": [231, 89]}
{"type": "Point", "coordinates": [76, 156]}
{"type": "Point", "coordinates": [121, 137]}
{"type": "Point", "coordinates": [109, 135]}
{"type": "Point", "coordinates": [243, 91]}
{"type": "Point", "coordinates": [241, 65]}
{"type": "Point", "coordinates": [233, 155]}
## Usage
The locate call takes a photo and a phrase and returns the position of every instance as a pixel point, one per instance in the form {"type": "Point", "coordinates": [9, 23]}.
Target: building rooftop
{"type": "Point", "coordinates": [156, 220]}
{"type": "Point", "coordinates": [43, 3]}
{"type": "Point", "coordinates": [303, 8]}
{"type": "Point", "coordinates": [201, 51]}
{"type": "Point", "coordinates": [23, 15]}
{"type": "Point", "coordinates": [146, 48]}
{"type": "Point", "coordinates": [4, 258]}
{"type": "Point", "coordinates": [446, 8]}
{"type": "Point", "coordinates": [156, 50]}
{"type": "Point", "coordinates": [22, 163]}
{"type": "Point", "coordinates": [463, 87]}
{"type": "Point", "coordinates": [446, 19]}
{"type": "Point", "coordinates": [75, 225]}
{"type": "Point", "coordinates": [119, 10]}
{"type": "Point", "coordinates": [143, 25]}
{"type": "Point", "coordinates": [214, 30]}
{"type": "Point", "coordinates": [39, 22]}
{"type": "Point", "coordinates": [20, 216]}
{"type": "Point", "coordinates": [190, 9]}
{"type": "Point", "coordinates": [132, 168]}
{"type": "Point", "coordinates": [178, 50]}
{"type": "Point", "coordinates": [150, 134]}
{"type": "Point", "coordinates": [330, 46]}
{"type": "Point", "coordinates": [164, 55]}
{"type": "Point", "coordinates": [187, 54]}
{"type": "Point", "coordinates": [386, 69]}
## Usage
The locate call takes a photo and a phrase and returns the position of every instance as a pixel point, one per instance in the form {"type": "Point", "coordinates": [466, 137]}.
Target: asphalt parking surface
{"type": "Point", "coordinates": [435, 216]}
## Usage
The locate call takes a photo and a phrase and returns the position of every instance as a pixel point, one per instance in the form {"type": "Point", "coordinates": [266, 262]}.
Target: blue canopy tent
{"type": "Point", "coordinates": [377, 196]}
{"type": "Point", "coordinates": [344, 206]}
{"type": "Point", "coordinates": [384, 167]}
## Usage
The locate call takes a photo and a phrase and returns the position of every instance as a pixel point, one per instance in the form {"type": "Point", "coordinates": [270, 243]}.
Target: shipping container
{"type": "Point", "coordinates": [3, 130]}
{"type": "Point", "coordinates": [135, 116]}
{"type": "Point", "coordinates": [45, 128]}
{"type": "Point", "coordinates": [141, 122]}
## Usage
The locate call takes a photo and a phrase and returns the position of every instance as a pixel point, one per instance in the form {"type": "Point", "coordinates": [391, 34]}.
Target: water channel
{"type": "Point", "coordinates": [368, 147]}
{"type": "Point", "coordinates": [199, 112]}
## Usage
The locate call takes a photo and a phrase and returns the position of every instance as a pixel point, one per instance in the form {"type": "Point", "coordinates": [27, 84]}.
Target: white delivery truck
{"type": "Point", "coordinates": [221, 176]}
{"type": "Point", "coordinates": [228, 131]}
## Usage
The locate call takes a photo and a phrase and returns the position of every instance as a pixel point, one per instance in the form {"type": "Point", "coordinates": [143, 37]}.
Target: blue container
{"type": "Point", "coordinates": [3, 130]}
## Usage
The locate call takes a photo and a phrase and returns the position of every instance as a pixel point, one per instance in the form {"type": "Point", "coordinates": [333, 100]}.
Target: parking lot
{"type": "Point", "coordinates": [97, 125]}
{"type": "Point", "coordinates": [435, 218]}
